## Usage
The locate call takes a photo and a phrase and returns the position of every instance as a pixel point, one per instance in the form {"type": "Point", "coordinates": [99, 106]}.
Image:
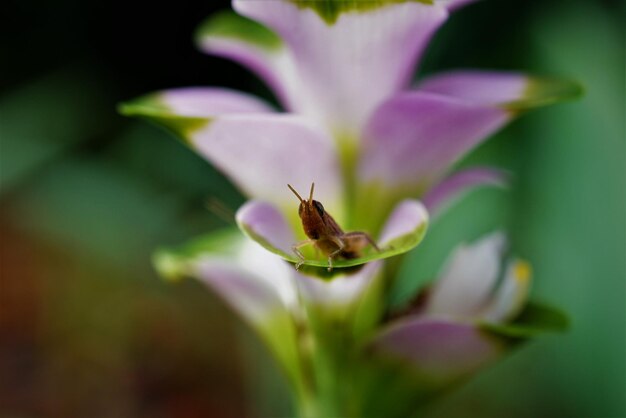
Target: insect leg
{"type": "Point", "coordinates": [364, 235]}
{"type": "Point", "coordinates": [296, 249]}
{"type": "Point", "coordinates": [340, 246]}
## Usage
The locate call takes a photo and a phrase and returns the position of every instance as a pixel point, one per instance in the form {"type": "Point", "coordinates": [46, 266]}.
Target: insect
{"type": "Point", "coordinates": [325, 235]}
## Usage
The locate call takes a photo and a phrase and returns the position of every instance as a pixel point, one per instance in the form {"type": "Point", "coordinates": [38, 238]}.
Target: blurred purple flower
{"type": "Point", "coordinates": [441, 336]}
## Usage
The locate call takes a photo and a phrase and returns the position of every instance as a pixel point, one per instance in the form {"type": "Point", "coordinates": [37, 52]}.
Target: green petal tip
{"type": "Point", "coordinates": [546, 91]}
{"type": "Point", "coordinates": [534, 320]}
{"type": "Point", "coordinates": [152, 108]}
{"type": "Point", "coordinates": [330, 10]}
{"type": "Point", "coordinates": [174, 263]}
{"type": "Point", "coordinates": [169, 265]}
{"type": "Point", "coordinates": [228, 25]}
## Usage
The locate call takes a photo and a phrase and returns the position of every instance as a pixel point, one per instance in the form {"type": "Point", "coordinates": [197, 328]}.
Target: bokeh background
{"type": "Point", "coordinates": [87, 329]}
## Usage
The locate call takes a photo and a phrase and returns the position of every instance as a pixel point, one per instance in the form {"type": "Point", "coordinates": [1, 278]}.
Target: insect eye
{"type": "Point", "coordinates": [319, 207]}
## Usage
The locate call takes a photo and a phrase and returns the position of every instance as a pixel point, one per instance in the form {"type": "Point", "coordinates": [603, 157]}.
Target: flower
{"type": "Point", "coordinates": [466, 294]}
{"type": "Point", "coordinates": [372, 146]}
{"type": "Point", "coordinates": [463, 322]}
{"type": "Point", "coordinates": [339, 69]}
{"type": "Point", "coordinates": [267, 292]}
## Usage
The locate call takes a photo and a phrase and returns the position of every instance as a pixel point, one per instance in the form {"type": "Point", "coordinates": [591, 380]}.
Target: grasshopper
{"type": "Point", "coordinates": [326, 235]}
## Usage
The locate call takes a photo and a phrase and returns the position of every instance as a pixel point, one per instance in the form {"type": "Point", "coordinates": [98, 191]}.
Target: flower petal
{"type": "Point", "coordinates": [512, 294]}
{"type": "Point", "coordinates": [262, 153]}
{"type": "Point", "coordinates": [186, 109]}
{"type": "Point", "coordinates": [227, 250]}
{"type": "Point", "coordinates": [491, 88]}
{"type": "Point", "coordinates": [416, 136]}
{"type": "Point", "coordinates": [259, 152]}
{"type": "Point", "coordinates": [513, 91]}
{"type": "Point", "coordinates": [341, 291]}
{"type": "Point", "coordinates": [535, 319]}
{"type": "Point", "coordinates": [210, 101]}
{"type": "Point", "coordinates": [438, 350]}
{"type": "Point", "coordinates": [251, 44]}
{"type": "Point", "coordinates": [452, 187]}
{"type": "Point", "coordinates": [259, 304]}
{"type": "Point", "coordinates": [266, 225]}
{"type": "Point", "coordinates": [248, 295]}
{"type": "Point", "coordinates": [409, 215]}
{"type": "Point", "coordinates": [255, 284]}
{"type": "Point", "coordinates": [339, 48]}
{"type": "Point", "coordinates": [455, 4]}
{"type": "Point", "coordinates": [464, 287]}
{"type": "Point", "coordinates": [194, 102]}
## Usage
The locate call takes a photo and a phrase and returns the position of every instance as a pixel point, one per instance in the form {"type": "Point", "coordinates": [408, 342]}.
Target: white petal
{"type": "Point", "coordinates": [341, 290]}
{"type": "Point", "coordinates": [271, 270]}
{"type": "Point", "coordinates": [260, 301]}
{"type": "Point", "coordinates": [254, 300]}
{"type": "Point", "coordinates": [512, 293]}
{"type": "Point", "coordinates": [468, 278]}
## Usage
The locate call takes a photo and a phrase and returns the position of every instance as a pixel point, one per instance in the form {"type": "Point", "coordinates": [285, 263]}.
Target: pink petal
{"type": "Point", "coordinates": [261, 153]}
{"type": "Point", "coordinates": [259, 150]}
{"type": "Point", "coordinates": [240, 43]}
{"type": "Point", "coordinates": [482, 87]}
{"type": "Point", "coordinates": [512, 91]}
{"type": "Point", "coordinates": [346, 67]}
{"type": "Point", "coordinates": [414, 137]}
{"type": "Point", "coordinates": [454, 186]}
{"type": "Point", "coordinates": [265, 222]}
{"type": "Point", "coordinates": [437, 349]}
{"type": "Point", "coordinates": [210, 101]}
{"type": "Point", "coordinates": [408, 216]}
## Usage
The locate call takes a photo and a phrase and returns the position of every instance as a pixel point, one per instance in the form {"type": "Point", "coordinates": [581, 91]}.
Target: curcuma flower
{"type": "Point", "coordinates": [373, 145]}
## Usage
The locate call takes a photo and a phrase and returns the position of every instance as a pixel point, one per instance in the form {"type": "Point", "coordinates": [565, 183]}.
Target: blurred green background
{"type": "Point", "coordinates": [88, 330]}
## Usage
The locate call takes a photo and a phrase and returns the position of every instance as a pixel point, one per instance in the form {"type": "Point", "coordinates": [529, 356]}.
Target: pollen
{"type": "Point", "coordinates": [523, 271]}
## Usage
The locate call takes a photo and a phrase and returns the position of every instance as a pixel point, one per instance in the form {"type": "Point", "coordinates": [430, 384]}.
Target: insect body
{"type": "Point", "coordinates": [325, 235]}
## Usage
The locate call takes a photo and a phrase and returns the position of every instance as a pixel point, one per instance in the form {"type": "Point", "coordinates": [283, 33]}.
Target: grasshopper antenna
{"type": "Point", "coordinates": [219, 209]}
{"type": "Point", "coordinates": [296, 193]}
{"type": "Point", "coordinates": [311, 194]}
